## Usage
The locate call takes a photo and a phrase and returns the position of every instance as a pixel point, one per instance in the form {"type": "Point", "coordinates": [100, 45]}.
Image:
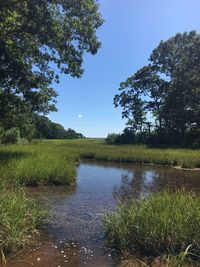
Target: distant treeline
{"type": "Point", "coordinates": [45, 128]}
{"type": "Point", "coordinates": [190, 139]}
{"type": "Point", "coordinates": [38, 127]}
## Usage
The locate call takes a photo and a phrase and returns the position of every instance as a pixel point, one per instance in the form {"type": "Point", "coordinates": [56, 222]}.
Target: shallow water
{"type": "Point", "coordinates": [74, 236]}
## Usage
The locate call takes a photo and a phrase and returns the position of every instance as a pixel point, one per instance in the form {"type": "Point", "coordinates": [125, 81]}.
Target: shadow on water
{"type": "Point", "coordinates": [74, 236]}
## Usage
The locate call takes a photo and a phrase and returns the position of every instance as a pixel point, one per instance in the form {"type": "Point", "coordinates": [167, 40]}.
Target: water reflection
{"type": "Point", "coordinates": [74, 236]}
{"type": "Point", "coordinates": [144, 180]}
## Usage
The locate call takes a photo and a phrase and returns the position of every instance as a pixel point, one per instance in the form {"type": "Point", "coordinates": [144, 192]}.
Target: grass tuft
{"type": "Point", "coordinates": [19, 219]}
{"type": "Point", "coordinates": [161, 225]}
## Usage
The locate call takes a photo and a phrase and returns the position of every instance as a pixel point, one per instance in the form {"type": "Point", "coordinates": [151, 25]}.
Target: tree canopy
{"type": "Point", "coordinates": [166, 90]}
{"type": "Point", "coordinates": [45, 128]}
{"type": "Point", "coordinates": [39, 39]}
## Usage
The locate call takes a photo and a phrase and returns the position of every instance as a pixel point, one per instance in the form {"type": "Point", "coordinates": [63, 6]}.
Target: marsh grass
{"type": "Point", "coordinates": [183, 258]}
{"type": "Point", "coordinates": [19, 219]}
{"type": "Point", "coordinates": [163, 224]}
{"type": "Point", "coordinates": [98, 150]}
{"type": "Point", "coordinates": [53, 161]}
{"type": "Point", "coordinates": [37, 164]}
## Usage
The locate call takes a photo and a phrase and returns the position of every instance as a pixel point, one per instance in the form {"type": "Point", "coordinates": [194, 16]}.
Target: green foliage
{"type": "Point", "coordinates": [127, 137]}
{"type": "Point", "coordinates": [45, 128]}
{"type": "Point", "coordinates": [71, 134]}
{"type": "Point", "coordinates": [16, 113]}
{"type": "Point", "coordinates": [1, 133]}
{"type": "Point", "coordinates": [36, 33]}
{"type": "Point", "coordinates": [39, 39]}
{"type": "Point", "coordinates": [19, 219]}
{"type": "Point", "coordinates": [168, 90]}
{"type": "Point", "coordinates": [112, 139]}
{"type": "Point", "coordinates": [159, 225]}
{"type": "Point", "coordinates": [11, 136]}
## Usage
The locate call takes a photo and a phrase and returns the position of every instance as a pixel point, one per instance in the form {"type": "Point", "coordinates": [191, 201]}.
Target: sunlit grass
{"type": "Point", "coordinates": [19, 219]}
{"type": "Point", "coordinates": [37, 164]}
{"type": "Point", "coordinates": [53, 161]}
{"type": "Point", "coordinates": [164, 224]}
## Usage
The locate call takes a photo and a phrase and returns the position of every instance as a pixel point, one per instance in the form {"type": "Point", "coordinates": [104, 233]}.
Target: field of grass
{"type": "Point", "coordinates": [53, 162]}
{"type": "Point", "coordinates": [98, 150]}
{"type": "Point", "coordinates": [37, 164]}
{"type": "Point", "coordinates": [162, 225]}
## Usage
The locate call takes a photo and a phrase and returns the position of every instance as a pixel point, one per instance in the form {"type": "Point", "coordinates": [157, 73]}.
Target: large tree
{"type": "Point", "coordinates": [167, 89]}
{"type": "Point", "coordinates": [38, 40]}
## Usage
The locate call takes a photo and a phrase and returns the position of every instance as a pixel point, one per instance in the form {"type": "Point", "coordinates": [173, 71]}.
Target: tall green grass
{"type": "Point", "coordinates": [98, 150]}
{"type": "Point", "coordinates": [53, 161]}
{"type": "Point", "coordinates": [160, 225]}
{"type": "Point", "coordinates": [36, 164]}
{"type": "Point", "coordinates": [19, 219]}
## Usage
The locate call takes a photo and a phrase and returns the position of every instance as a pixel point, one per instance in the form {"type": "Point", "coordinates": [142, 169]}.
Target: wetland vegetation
{"type": "Point", "coordinates": [53, 162]}
{"type": "Point", "coordinates": [39, 41]}
{"type": "Point", "coordinates": [49, 162]}
{"type": "Point", "coordinates": [19, 218]}
{"type": "Point", "coordinates": [75, 228]}
{"type": "Point", "coordinates": [160, 225]}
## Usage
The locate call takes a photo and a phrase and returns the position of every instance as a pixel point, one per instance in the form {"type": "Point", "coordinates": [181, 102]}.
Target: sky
{"type": "Point", "coordinates": [132, 29]}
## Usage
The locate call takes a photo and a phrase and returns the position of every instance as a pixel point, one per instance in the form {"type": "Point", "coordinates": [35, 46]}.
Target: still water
{"type": "Point", "coordinates": [74, 236]}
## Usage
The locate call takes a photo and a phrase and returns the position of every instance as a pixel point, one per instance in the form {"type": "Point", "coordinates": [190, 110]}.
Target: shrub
{"type": "Point", "coordinates": [23, 141]}
{"type": "Point", "coordinates": [112, 138]}
{"type": "Point", "coordinates": [1, 134]}
{"type": "Point", "coordinates": [127, 137]}
{"type": "Point", "coordinates": [11, 136]}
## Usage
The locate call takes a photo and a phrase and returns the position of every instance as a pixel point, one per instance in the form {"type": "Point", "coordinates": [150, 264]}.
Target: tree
{"type": "Point", "coordinates": [71, 134]}
{"type": "Point", "coordinates": [45, 128]}
{"type": "Point", "coordinates": [39, 39]}
{"type": "Point", "coordinates": [168, 89]}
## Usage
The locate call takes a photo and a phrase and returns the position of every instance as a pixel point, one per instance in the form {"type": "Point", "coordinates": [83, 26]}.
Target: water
{"type": "Point", "coordinates": [74, 237]}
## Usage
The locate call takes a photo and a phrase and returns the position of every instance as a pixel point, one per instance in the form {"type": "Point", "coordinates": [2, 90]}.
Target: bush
{"type": "Point", "coordinates": [112, 139]}
{"type": "Point", "coordinates": [23, 141]}
{"type": "Point", "coordinates": [1, 134]}
{"type": "Point", "coordinates": [11, 136]}
{"type": "Point", "coordinates": [162, 224]}
{"type": "Point", "coordinates": [127, 137]}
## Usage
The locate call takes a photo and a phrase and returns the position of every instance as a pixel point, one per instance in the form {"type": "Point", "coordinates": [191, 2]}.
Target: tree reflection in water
{"type": "Point", "coordinates": [144, 180]}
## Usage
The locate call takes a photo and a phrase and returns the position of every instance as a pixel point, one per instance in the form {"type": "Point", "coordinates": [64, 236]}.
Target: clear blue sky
{"type": "Point", "coordinates": [132, 29]}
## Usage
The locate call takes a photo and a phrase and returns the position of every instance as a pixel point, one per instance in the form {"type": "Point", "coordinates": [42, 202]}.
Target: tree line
{"type": "Point", "coordinates": [161, 101]}
{"type": "Point", "coordinates": [45, 128]}
{"type": "Point", "coordinates": [41, 127]}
